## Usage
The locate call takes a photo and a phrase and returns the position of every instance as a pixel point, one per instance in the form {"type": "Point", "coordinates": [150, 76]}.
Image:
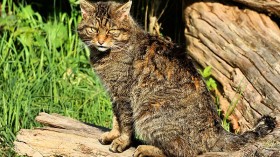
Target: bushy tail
{"type": "Point", "coordinates": [232, 142]}
{"type": "Point", "coordinates": [264, 126]}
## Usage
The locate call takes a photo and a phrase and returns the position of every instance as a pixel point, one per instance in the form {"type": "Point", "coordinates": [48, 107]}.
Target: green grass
{"type": "Point", "coordinates": [44, 68]}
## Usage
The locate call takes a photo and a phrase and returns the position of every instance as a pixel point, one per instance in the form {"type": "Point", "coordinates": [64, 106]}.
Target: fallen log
{"type": "Point", "coordinates": [67, 137]}
{"type": "Point", "coordinates": [63, 136]}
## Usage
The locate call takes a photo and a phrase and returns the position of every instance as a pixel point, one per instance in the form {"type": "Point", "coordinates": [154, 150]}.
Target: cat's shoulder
{"type": "Point", "coordinates": [164, 46]}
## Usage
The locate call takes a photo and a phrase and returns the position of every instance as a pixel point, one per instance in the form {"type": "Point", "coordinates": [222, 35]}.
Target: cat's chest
{"type": "Point", "coordinates": [115, 72]}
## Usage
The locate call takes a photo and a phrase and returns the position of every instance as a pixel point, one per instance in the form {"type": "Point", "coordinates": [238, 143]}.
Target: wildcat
{"type": "Point", "coordinates": [155, 89]}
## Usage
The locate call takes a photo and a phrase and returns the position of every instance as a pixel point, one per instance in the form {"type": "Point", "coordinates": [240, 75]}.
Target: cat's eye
{"type": "Point", "coordinates": [114, 32]}
{"type": "Point", "coordinates": [92, 30]}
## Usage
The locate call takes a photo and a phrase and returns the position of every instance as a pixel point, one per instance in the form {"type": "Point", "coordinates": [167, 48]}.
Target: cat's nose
{"type": "Point", "coordinates": [101, 42]}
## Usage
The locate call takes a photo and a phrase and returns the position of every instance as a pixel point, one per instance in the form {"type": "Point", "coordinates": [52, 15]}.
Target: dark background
{"type": "Point", "coordinates": [171, 20]}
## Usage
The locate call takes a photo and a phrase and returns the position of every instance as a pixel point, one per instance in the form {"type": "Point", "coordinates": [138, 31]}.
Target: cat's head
{"type": "Point", "coordinates": [105, 25]}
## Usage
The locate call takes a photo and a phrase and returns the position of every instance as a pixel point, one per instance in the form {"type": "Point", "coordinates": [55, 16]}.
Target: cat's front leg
{"type": "Point", "coordinates": [108, 137]}
{"type": "Point", "coordinates": [123, 112]}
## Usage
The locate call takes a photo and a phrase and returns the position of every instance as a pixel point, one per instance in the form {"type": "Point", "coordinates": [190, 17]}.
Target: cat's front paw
{"type": "Point", "coordinates": [108, 137]}
{"type": "Point", "coordinates": [120, 144]}
{"type": "Point", "coordinates": [148, 150]}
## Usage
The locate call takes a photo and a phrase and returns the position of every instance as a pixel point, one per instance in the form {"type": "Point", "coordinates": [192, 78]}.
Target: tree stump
{"type": "Point", "coordinates": [243, 48]}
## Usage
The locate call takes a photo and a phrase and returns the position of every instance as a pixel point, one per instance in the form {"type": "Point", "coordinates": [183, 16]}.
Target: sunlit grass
{"type": "Point", "coordinates": [44, 68]}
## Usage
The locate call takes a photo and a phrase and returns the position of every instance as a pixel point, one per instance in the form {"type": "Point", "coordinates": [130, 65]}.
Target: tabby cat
{"type": "Point", "coordinates": [155, 90]}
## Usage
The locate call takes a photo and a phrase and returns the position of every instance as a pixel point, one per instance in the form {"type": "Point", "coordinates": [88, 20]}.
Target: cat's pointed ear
{"type": "Point", "coordinates": [123, 10]}
{"type": "Point", "coordinates": [86, 8]}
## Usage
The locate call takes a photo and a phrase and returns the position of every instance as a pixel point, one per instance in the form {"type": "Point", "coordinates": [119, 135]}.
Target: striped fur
{"type": "Point", "coordinates": [156, 92]}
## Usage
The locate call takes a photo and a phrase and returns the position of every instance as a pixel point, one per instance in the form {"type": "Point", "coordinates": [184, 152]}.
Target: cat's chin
{"type": "Point", "coordinates": [102, 48]}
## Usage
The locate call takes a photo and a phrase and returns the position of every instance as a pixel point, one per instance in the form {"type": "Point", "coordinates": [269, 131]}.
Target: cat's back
{"type": "Point", "coordinates": [161, 68]}
{"type": "Point", "coordinates": [165, 75]}
{"type": "Point", "coordinates": [169, 99]}
{"type": "Point", "coordinates": [159, 61]}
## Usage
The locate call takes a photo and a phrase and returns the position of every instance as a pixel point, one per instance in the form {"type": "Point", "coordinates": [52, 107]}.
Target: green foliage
{"type": "Point", "coordinates": [235, 100]}
{"type": "Point", "coordinates": [44, 68]}
{"type": "Point", "coordinates": [206, 72]}
{"type": "Point", "coordinates": [210, 82]}
{"type": "Point", "coordinates": [212, 86]}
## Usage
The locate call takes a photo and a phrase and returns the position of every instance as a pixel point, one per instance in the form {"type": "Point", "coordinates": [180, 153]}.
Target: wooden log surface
{"type": "Point", "coordinates": [243, 49]}
{"type": "Point", "coordinates": [66, 137]}
{"type": "Point", "coordinates": [63, 136]}
{"type": "Point", "coordinates": [268, 6]}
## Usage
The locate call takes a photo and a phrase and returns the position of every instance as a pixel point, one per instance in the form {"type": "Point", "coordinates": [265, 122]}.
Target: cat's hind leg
{"type": "Point", "coordinates": [148, 150]}
{"type": "Point", "coordinates": [108, 137]}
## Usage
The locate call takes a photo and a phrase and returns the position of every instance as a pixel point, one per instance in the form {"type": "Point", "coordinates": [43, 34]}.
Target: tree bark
{"type": "Point", "coordinates": [63, 136]}
{"type": "Point", "coordinates": [268, 6]}
{"type": "Point", "coordinates": [243, 49]}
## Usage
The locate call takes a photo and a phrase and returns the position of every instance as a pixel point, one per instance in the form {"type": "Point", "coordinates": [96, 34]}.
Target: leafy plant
{"type": "Point", "coordinates": [210, 82]}
{"type": "Point", "coordinates": [212, 86]}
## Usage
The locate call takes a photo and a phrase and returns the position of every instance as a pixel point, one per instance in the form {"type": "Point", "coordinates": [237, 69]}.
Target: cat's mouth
{"type": "Point", "coordinates": [102, 48]}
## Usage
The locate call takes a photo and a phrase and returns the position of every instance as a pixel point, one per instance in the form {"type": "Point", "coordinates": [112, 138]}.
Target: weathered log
{"type": "Point", "coordinates": [268, 6]}
{"type": "Point", "coordinates": [64, 137]}
{"type": "Point", "coordinates": [243, 49]}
